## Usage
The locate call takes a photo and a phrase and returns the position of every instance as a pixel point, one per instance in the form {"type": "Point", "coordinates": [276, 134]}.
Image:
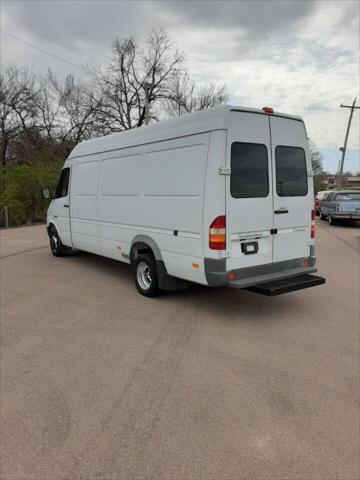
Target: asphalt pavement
{"type": "Point", "coordinates": [98, 382]}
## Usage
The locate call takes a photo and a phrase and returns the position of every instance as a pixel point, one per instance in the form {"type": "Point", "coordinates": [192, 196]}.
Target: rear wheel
{"type": "Point", "coordinates": [322, 216]}
{"type": "Point", "coordinates": [145, 275]}
{"type": "Point", "coordinates": [56, 246]}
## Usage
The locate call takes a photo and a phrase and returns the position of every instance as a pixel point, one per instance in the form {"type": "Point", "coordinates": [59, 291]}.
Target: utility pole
{"type": "Point", "coordinates": [343, 149]}
{"type": "Point", "coordinates": [147, 87]}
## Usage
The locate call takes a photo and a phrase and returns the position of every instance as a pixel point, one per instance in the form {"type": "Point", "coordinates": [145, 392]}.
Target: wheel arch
{"type": "Point", "coordinates": [142, 243]}
{"type": "Point", "coordinates": [49, 226]}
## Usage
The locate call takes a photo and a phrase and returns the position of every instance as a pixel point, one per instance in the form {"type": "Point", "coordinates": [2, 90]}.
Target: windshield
{"type": "Point", "coordinates": [348, 196]}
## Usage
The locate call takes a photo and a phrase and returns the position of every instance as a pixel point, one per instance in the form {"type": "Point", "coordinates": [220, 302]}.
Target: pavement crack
{"type": "Point", "coordinates": [22, 251]}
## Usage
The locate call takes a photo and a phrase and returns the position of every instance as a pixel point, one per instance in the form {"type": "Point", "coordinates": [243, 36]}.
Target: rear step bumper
{"type": "Point", "coordinates": [285, 285]}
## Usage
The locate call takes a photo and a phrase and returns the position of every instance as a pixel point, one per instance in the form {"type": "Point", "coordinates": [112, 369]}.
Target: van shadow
{"type": "Point", "coordinates": [228, 303]}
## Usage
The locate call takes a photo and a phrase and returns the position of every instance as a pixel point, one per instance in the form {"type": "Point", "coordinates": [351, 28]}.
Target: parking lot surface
{"type": "Point", "coordinates": [98, 382]}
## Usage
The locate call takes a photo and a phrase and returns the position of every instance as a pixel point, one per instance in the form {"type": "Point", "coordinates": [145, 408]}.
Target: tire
{"type": "Point", "coordinates": [56, 246]}
{"type": "Point", "coordinates": [145, 275]}
{"type": "Point", "coordinates": [322, 216]}
{"type": "Point", "coordinates": [331, 220]}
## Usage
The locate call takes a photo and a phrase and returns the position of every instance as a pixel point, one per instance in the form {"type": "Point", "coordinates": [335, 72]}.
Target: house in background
{"type": "Point", "coordinates": [352, 182]}
{"type": "Point", "coordinates": [348, 182]}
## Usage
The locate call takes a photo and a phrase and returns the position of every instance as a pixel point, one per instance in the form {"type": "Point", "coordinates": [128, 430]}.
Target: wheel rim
{"type": "Point", "coordinates": [143, 275]}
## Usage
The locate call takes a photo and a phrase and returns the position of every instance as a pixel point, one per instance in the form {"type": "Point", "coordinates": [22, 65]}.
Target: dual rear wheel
{"type": "Point", "coordinates": [145, 275]}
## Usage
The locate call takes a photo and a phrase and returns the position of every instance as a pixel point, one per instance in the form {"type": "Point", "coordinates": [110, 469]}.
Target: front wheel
{"type": "Point", "coordinates": [56, 246]}
{"type": "Point", "coordinates": [331, 220]}
{"type": "Point", "coordinates": [145, 275]}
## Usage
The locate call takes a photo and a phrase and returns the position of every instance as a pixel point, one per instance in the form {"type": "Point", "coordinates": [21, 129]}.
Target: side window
{"type": "Point", "coordinates": [291, 174]}
{"type": "Point", "coordinates": [249, 170]}
{"type": "Point", "coordinates": [63, 184]}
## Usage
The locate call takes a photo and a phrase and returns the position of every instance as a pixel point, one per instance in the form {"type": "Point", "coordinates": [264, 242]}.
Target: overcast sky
{"type": "Point", "coordinates": [300, 57]}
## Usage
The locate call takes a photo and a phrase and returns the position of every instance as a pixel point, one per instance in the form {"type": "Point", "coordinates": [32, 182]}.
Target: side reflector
{"type": "Point", "coordinates": [268, 109]}
{"type": "Point", "coordinates": [217, 233]}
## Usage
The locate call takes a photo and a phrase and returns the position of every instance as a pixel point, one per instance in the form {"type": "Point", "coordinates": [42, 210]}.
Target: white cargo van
{"type": "Point", "coordinates": [222, 197]}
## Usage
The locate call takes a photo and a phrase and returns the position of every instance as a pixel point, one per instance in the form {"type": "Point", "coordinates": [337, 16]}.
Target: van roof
{"type": "Point", "coordinates": [215, 118]}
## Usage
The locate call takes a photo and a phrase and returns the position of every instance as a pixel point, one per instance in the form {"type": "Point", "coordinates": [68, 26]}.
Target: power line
{"type": "Point", "coordinates": [42, 50]}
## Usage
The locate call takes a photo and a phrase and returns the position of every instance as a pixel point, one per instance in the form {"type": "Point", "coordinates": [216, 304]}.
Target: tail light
{"type": "Point", "coordinates": [217, 233]}
{"type": "Point", "coordinates": [312, 230]}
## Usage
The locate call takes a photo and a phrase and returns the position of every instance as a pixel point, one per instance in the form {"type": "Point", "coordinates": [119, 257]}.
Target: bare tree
{"type": "Point", "coordinates": [316, 159]}
{"type": "Point", "coordinates": [39, 112]}
{"type": "Point", "coordinates": [17, 107]}
{"type": "Point", "coordinates": [76, 106]}
{"type": "Point", "coordinates": [48, 108]}
{"type": "Point", "coordinates": [187, 97]}
{"type": "Point", "coordinates": [120, 97]}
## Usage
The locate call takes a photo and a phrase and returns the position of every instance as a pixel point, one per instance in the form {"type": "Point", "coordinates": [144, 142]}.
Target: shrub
{"type": "Point", "coordinates": [20, 189]}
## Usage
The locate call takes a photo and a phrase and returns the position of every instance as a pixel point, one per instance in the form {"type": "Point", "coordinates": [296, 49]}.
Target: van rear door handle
{"type": "Point", "coordinates": [66, 205]}
{"type": "Point", "coordinates": [281, 211]}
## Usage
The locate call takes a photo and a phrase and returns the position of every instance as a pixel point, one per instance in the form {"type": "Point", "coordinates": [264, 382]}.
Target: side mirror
{"type": "Point", "coordinates": [46, 194]}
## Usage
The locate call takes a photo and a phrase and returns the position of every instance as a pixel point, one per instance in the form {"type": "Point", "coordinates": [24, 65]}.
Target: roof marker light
{"type": "Point", "coordinates": [268, 109]}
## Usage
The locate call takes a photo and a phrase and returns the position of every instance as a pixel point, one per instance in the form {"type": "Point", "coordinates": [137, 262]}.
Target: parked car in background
{"type": "Point", "coordinates": [319, 198]}
{"type": "Point", "coordinates": [342, 205]}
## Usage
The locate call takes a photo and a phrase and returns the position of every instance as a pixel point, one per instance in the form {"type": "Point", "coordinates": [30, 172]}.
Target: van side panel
{"type": "Point", "coordinates": [84, 213]}
{"type": "Point", "coordinates": [120, 184]}
{"type": "Point", "coordinates": [156, 190]}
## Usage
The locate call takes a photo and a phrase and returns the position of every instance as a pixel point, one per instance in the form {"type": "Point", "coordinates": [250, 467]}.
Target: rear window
{"type": "Point", "coordinates": [291, 174]}
{"type": "Point", "coordinates": [348, 196]}
{"type": "Point", "coordinates": [249, 170]}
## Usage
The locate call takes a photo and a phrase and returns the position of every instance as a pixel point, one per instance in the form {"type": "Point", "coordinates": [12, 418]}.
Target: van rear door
{"type": "Point", "coordinates": [249, 202]}
{"type": "Point", "coordinates": [292, 189]}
